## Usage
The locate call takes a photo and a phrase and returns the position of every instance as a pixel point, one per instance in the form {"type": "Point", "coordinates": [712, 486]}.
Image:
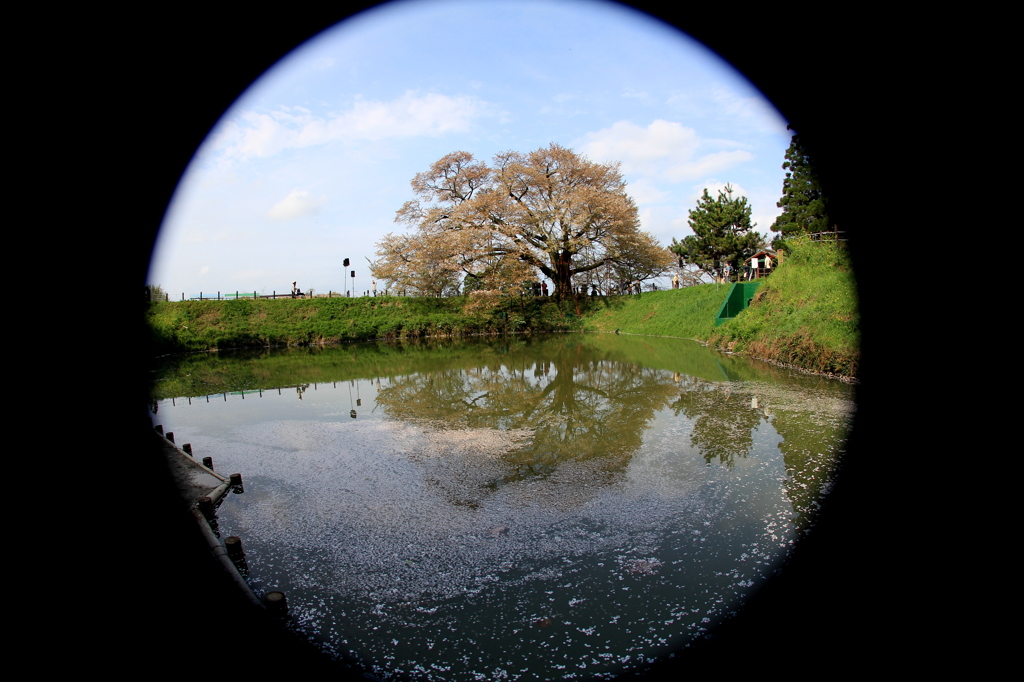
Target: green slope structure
{"type": "Point", "coordinates": [736, 300]}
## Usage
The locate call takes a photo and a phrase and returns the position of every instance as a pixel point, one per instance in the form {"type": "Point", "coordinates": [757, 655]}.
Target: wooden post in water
{"type": "Point", "coordinates": [234, 546]}
{"type": "Point", "coordinates": [206, 506]}
{"type": "Point", "coordinates": [276, 603]}
{"type": "Point", "coordinates": [187, 447]}
{"type": "Point", "coordinates": [208, 463]}
{"type": "Point", "coordinates": [170, 436]}
{"type": "Point", "coordinates": [235, 553]}
{"type": "Point", "coordinates": [235, 481]}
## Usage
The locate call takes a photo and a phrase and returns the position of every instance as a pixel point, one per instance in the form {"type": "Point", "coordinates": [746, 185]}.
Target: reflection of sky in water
{"type": "Point", "coordinates": [415, 548]}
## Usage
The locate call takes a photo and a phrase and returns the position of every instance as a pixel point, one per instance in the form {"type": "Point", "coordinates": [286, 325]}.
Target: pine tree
{"type": "Point", "coordinates": [722, 234]}
{"type": "Point", "coordinates": [804, 206]}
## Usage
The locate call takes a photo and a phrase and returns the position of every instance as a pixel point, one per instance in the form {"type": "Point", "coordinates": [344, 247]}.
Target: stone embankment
{"type": "Point", "coordinates": [202, 489]}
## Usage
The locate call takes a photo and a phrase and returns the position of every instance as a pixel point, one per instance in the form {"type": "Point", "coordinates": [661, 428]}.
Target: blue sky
{"type": "Point", "coordinates": [309, 166]}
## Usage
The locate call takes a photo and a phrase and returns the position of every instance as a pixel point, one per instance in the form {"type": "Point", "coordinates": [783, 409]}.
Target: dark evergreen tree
{"type": "Point", "coordinates": [722, 234]}
{"type": "Point", "coordinates": [804, 206]}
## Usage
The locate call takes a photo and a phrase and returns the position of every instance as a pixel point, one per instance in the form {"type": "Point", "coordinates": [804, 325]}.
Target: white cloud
{"type": "Point", "coordinates": [297, 204]}
{"type": "Point", "coordinates": [252, 134]}
{"type": "Point", "coordinates": [641, 150]}
{"type": "Point", "coordinates": [663, 149]}
{"type": "Point", "coordinates": [643, 192]}
{"type": "Point", "coordinates": [646, 220]}
{"type": "Point", "coordinates": [664, 222]}
{"type": "Point", "coordinates": [706, 165]}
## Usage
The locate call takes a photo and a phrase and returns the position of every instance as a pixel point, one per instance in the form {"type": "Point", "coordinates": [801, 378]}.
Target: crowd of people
{"type": "Point", "coordinates": [537, 288]}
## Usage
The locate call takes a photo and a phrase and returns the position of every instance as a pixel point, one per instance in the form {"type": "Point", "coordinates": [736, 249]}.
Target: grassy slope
{"type": "Point", "coordinates": [688, 313]}
{"type": "Point", "coordinates": [804, 315]}
{"type": "Point", "coordinates": [204, 325]}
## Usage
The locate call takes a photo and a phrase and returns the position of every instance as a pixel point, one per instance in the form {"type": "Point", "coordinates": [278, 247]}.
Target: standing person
{"type": "Point", "coordinates": [675, 281]}
{"type": "Point", "coordinates": [544, 287]}
{"type": "Point", "coordinates": [374, 288]}
{"type": "Point", "coordinates": [295, 290]}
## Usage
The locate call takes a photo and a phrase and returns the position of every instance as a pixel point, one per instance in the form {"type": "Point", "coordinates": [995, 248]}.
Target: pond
{"type": "Point", "coordinates": [560, 507]}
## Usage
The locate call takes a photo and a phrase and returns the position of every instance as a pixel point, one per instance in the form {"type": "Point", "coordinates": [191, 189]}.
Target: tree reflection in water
{"type": "Point", "coordinates": [723, 421]}
{"type": "Point", "coordinates": [576, 403]}
{"type": "Point", "coordinates": [582, 494]}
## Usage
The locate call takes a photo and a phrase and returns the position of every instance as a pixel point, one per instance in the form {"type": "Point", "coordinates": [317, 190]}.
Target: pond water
{"type": "Point", "coordinates": [565, 507]}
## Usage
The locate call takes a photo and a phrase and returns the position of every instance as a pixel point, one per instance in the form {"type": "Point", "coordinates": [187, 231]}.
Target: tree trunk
{"type": "Point", "coordinates": [563, 275]}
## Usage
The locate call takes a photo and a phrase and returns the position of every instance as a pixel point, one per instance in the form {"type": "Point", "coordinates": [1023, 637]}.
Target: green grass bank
{"type": "Point", "coordinates": [804, 315]}
{"type": "Point", "coordinates": [207, 325]}
{"type": "Point", "coordinates": [688, 313]}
